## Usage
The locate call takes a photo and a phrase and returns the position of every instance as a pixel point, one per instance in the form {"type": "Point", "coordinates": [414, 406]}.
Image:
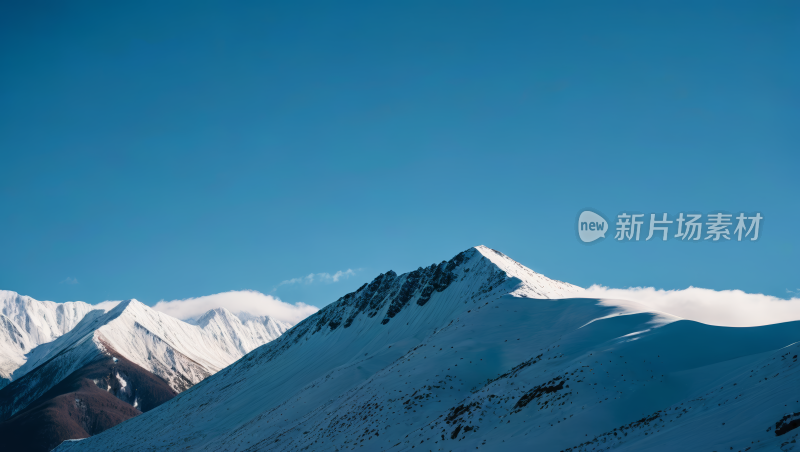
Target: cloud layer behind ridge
{"type": "Point", "coordinates": [713, 307]}
{"type": "Point", "coordinates": [249, 301]}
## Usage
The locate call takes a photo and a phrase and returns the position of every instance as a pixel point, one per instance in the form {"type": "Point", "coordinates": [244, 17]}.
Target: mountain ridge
{"type": "Point", "coordinates": [399, 364]}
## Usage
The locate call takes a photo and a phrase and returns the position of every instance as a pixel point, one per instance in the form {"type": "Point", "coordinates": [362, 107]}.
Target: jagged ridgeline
{"type": "Point", "coordinates": [480, 272]}
{"type": "Point", "coordinates": [396, 291]}
{"type": "Point", "coordinates": [420, 285]}
{"type": "Point", "coordinates": [370, 298]}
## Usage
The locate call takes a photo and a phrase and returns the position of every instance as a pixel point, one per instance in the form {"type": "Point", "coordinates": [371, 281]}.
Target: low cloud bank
{"type": "Point", "coordinates": [250, 301]}
{"type": "Point", "coordinates": [713, 307]}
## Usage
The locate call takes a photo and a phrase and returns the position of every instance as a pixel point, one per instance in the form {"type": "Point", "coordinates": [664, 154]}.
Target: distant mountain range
{"type": "Point", "coordinates": [71, 371]}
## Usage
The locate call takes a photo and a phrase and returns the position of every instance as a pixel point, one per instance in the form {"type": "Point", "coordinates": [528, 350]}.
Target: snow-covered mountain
{"type": "Point", "coordinates": [246, 331]}
{"type": "Point", "coordinates": [26, 323]}
{"type": "Point", "coordinates": [179, 353]}
{"type": "Point", "coordinates": [481, 353]}
{"type": "Point", "coordinates": [109, 366]}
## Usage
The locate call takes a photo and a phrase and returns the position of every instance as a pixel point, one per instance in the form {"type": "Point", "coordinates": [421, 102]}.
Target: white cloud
{"type": "Point", "coordinates": [69, 280]}
{"type": "Point", "coordinates": [713, 307]}
{"type": "Point", "coordinates": [250, 301]}
{"type": "Point", "coordinates": [320, 278]}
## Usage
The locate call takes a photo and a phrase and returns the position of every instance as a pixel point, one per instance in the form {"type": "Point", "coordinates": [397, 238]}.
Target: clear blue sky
{"type": "Point", "coordinates": [165, 150]}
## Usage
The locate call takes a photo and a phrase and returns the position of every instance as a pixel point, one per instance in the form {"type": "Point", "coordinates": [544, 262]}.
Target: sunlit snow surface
{"type": "Point", "coordinates": [26, 323]}
{"type": "Point", "coordinates": [492, 362]}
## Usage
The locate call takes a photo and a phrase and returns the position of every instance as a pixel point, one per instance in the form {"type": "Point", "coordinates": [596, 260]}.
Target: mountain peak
{"type": "Point", "coordinates": [215, 313]}
{"type": "Point", "coordinates": [433, 295]}
{"type": "Point", "coordinates": [485, 250]}
{"type": "Point", "coordinates": [122, 305]}
{"type": "Point", "coordinates": [130, 306]}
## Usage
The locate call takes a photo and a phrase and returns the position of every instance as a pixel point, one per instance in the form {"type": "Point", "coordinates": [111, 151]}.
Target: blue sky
{"type": "Point", "coordinates": [165, 151]}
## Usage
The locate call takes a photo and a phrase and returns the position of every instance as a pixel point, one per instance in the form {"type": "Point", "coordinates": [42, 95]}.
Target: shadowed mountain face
{"type": "Point", "coordinates": [90, 400]}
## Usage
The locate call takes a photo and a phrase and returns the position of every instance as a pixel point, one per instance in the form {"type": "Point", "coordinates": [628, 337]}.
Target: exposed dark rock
{"type": "Point", "coordinates": [516, 369]}
{"type": "Point", "coordinates": [410, 286]}
{"type": "Point", "coordinates": [539, 391]}
{"type": "Point", "coordinates": [439, 281]}
{"type": "Point", "coordinates": [371, 298]}
{"type": "Point", "coordinates": [387, 293]}
{"type": "Point", "coordinates": [787, 423]}
{"type": "Point", "coordinates": [458, 411]}
{"type": "Point", "coordinates": [78, 407]}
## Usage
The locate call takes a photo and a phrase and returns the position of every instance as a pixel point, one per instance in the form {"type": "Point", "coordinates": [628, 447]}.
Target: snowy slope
{"type": "Point", "coordinates": [26, 323]}
{"type": "Point", "coordinates": [246, 331]}
{"type": "Point", "coordinates": [460, 356]}
{"type": "Point", "coordinates": [262, 328]}
{"type": "Point", "coordinates": [14, 342]}
{"type": "Point", "coordinates": [180, 353]}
